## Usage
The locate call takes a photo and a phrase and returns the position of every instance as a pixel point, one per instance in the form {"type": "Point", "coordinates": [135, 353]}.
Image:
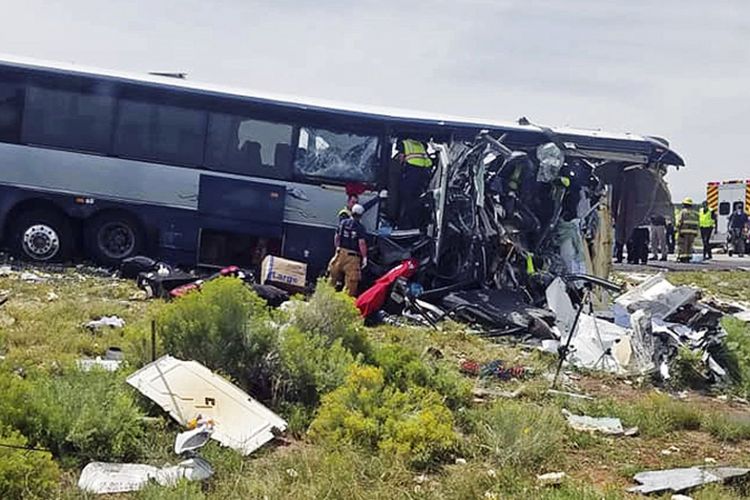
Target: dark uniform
{"type": "Point", "coordinates": [347, 263]}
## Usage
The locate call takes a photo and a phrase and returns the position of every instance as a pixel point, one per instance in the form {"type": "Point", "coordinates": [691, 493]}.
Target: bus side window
{"type": "Point", "coordinates": [724, 208]}
{"type": "Point", "coordinates": [68, 119]}
{"type": "Point", "coordinates": [247, 146]}
{"type": "Point", "coordinates": [339, 156]}
{"type": "Point", "coordinates": [11, 108]}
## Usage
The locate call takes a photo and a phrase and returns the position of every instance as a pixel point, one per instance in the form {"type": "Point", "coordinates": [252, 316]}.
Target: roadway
{"type": "Point", "coordinates": [720, 262]}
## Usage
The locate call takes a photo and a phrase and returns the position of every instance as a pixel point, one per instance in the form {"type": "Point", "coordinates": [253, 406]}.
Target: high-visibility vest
{"type": "Point", "coordinates": [415, 154]}
{"type": "Point", "coordinates": [689, 222]}
{"type": "Point", "coordinates": [706, 218]}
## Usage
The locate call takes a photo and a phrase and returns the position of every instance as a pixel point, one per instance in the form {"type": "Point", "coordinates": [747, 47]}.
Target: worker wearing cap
{"type": "Point", "coordinates": [687, 230]}
{"type": "Point", "coordinates": [351, 251]}
{"type": "Point", "coordinates": [416, 173]}
{"type": "Point", "coordinates": [707, 223]}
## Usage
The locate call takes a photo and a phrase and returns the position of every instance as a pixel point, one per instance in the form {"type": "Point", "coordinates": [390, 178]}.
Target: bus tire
{"type": "Point", "coordinates": [42, 235]}
{"type": "Point", "coordinates": [113, 236]}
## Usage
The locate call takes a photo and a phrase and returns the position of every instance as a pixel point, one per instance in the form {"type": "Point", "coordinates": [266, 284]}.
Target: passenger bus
{"type": "Point", "coordinates": [108, 165]}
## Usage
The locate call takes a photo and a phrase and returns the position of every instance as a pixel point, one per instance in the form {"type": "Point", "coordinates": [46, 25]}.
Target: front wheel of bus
{"type": "Point", "coordinates": [110, 238]}
{"type": "Point", "coordinates": [42, 236]}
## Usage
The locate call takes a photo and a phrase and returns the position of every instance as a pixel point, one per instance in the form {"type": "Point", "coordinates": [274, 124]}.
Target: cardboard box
{"type": "Point", "coordinates": [284, 273]}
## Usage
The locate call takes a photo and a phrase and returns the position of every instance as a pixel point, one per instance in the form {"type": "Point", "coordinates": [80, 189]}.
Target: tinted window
{"type": "Point", "coordinates": [335, 155]}
{"type": "Point", "coordinates": [158, 132]}
{"type": "Point", "coordinates": [245, 146]}
{"type": "Point", "coordinates": [724, 208]}
{"type": "Point", "coordinates": [11, 107]}
{"type": "Point", "coordinates": [66, 119]}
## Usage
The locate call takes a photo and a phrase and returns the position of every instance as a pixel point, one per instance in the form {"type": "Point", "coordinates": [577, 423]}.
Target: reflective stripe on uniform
{"type": "Point", "coordinates": [689, 222]}
{"type": "Point", "coordinates": [415, 154]}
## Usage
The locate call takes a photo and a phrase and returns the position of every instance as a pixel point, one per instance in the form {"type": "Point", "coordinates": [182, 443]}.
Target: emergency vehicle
{"type": "Point", "coordinates": [723, 198]}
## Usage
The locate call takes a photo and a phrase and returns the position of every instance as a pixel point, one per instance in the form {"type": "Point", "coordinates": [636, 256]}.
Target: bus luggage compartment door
{"type": "Point", "coordinates": [230, 211]}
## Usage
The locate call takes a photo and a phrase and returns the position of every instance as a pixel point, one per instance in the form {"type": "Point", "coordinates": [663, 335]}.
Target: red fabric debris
{"type": "Point", "coordinates": [372, 299]}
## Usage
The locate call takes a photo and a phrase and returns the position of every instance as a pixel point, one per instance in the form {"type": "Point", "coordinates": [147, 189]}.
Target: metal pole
{"type": "Point", "coordinates": [153, 340]}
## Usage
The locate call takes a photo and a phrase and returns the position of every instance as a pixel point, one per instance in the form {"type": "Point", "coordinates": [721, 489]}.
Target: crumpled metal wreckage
{"type": "Point", "coordinates": [510, 234]}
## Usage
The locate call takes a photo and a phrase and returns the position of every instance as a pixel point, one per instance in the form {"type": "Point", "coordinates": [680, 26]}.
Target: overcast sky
{"type": "Point", "coordinates": [679, 69]}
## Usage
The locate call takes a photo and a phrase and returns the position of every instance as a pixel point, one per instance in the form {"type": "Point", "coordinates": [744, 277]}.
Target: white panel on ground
{"type": "Point", "coordinates": [187, 389]}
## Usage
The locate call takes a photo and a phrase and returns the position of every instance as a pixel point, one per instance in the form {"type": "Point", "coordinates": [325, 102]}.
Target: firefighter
{"type": "Point", "coordinates": [707, 223]}
{"type": "Point", "coordinates": [416, 171]}
{"type": "Point", "coordinates": [687, 230]}
{"type": "Point", "coordinates": [346, 212]}
{"type": "Point", "coordinates": [351, 251]}
{"type": "Point", "coordinates": [738, 231]}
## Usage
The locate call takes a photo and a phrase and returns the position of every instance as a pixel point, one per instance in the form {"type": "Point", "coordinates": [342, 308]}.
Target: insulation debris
{"type": "Point", "coordinates": [101, 477]}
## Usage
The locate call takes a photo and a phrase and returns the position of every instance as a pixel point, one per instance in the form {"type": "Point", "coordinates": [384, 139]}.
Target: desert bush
{"type": "Point", "coordinates": [226, 327]}
{"type": "Point", "coordinates": [517, 434]}
{"type": "Point", "coordinates": [332, 316]}
{"type": "Point", "coordinates": [367, 412]}
{"type": "Point", "coordinates": [403, 368]}
{"type": "Point", "coordinates": [25, 474]}
{"type": "Point", "coordinates": [310, 366]}
{"type": "Point", "coordinates": [84, 416]}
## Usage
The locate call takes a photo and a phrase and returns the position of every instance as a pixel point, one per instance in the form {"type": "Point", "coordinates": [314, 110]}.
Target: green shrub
{"type": "Point", "coordinates": [367, 412]}
{"type": "Point", "coordinates": [517, 434]}
{"type": "Point", "coordinates": [737, 354]}
{"type": "Point", "coordinates": [310, 367]}
{"type": "Point", "coordinates": [226, 327]}
{"type": "Point", "coordinates": [332, 316]}
{"type": "Point", "coordinates": [25, 474]}
{"type": "Point", "coordinates": [686, 370]}
{"type": "Point", "coordinates": [404, 368]}
{"type": "Point", "coordinates": [88, 416]}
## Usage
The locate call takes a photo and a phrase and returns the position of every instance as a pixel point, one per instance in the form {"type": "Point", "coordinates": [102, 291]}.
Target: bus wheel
{"type": "Point", "coordinates": [113, 237]}
{"type": "Point", "coordinates": [42, 236]}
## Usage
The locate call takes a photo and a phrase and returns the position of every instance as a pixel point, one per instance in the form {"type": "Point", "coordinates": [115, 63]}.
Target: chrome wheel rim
{"type": "Point", "coordinates": [41, 242]}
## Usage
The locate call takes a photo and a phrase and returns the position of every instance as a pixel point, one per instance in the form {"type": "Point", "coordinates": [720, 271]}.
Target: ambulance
{"type": "Point", "coordinates": [724, 198]}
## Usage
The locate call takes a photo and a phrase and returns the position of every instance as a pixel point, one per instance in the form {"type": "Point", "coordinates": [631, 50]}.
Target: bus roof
{"type": "Point", "coordinates": [594, 139]}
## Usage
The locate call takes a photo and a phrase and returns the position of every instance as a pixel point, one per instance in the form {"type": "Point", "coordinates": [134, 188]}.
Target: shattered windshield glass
{"type": "Point", "coordinates": [335, 155]}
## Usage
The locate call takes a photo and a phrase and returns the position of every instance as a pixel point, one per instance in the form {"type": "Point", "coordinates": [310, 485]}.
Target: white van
{"type": "Point", "coordinates": [723, 198]}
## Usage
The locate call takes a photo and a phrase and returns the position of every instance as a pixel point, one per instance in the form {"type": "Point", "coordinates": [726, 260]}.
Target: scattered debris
{"type": "Point", "coordinates": [573, 395]}
{"type": "Point", "coordinates": [187, 390]}
{"type": "Point", "coordinates": [551, 478]}
{"type": "Point", "coordinates": [677, 480]}
{"type": "Point", "coordinates": [52, 296]}
{"type": "Point", "coordinates": [193, 439]}
{"type": "Point", "coordinates": [460, 461]}
{"type": "Point", "coordinates": [105, 322]}
{"type": "Point", "coordinates": [111, 361]}
{"type": "Point", "coordinates": [31, 277]}
{"type": "Point", "coordinates": [101, 477]}
{"type": "Point", "coordinates": [494, 369]}
{"type": "Point", "coordinates": [606, 425]}
{"type": "Point", "coordinates": [6, 270]}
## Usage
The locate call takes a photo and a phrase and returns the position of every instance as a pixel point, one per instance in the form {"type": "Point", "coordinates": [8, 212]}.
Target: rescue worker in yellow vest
{"type": "Point", "coordinates": [687, 230]}
{"type": "Point", "coordinates": [416, 172]}
{"type": "Point", "coordinates": [707, 223]}
{"type": "Point", "coordinates": [346, 212]}
{"type": "Point", "coordinates": [351, 252]}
